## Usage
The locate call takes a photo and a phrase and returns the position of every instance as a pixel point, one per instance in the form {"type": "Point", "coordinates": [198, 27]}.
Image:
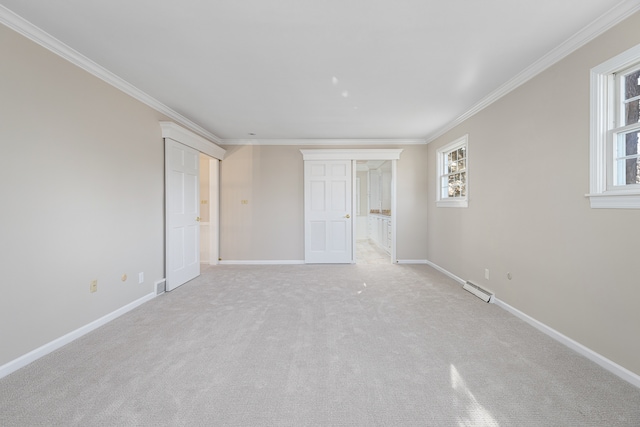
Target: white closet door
{"type": "Point", "coordinates": [183, 213]}
{"type": "Point", "coordinates": [328, 212]}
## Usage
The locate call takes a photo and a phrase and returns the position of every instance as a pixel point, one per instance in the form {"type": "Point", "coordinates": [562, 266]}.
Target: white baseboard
{"type": "Point", "coordinates": [39, 352]}
{"type": "Point", "coordinates": [261, 262]}
{"type": "Point", "coordinates": [597, 358]}
{"type": "Point", "coordinates": [446, 272]}
{"type": "Point", "coordinates": [412, 261]}
{"type": "Point", "coordinates": [607, 364]}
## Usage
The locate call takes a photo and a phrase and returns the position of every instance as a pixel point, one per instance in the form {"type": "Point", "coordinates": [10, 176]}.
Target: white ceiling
{"type": "Point", "coordinates": [319, 69]}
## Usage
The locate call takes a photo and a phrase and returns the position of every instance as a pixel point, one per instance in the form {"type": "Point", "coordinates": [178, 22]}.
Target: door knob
{"type": "Point", "coordinates": [198, 219]}
{"type": "Point", "coordinates": [347, 216]}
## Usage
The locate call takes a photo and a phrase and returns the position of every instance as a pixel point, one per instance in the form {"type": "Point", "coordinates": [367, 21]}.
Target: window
{"type": "Point", "coordinates": [453, 179]}
{"type": "Point", "coordinates": [615, 132]}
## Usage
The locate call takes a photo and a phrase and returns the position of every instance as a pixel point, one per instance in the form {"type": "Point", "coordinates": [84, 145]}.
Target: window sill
{"type": "Point", "coordinates": [614, 200]}
{"type": "Point", "coordinates": [452, 203]}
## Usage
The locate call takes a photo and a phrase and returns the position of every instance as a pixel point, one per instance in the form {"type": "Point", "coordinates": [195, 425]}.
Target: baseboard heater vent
{"type": "Point", "coordinates": [483, 294]}
{"type": "Point", "coordinates": [160, 286]}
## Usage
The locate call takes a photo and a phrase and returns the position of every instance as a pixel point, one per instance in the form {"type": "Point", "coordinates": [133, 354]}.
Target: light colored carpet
{"type": "Point", "coordinates": [310, 345]}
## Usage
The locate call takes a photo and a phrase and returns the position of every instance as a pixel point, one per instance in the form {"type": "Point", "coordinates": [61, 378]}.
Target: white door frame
{"type": "Point", "coordinates": [214, 211]}
{"type": "Point", "coordinates": [392, 154]}
{"type": "Point", "coordinates": [186, 137]}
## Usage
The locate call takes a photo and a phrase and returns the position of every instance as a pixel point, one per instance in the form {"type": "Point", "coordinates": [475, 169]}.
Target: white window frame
{"type": "Point", "coordinates": [602, 192]}
{"type": "Point", "coordinates": [451, 202]}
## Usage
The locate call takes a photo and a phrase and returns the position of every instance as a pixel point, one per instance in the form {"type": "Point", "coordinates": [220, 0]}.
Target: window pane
{"type": "Point", "coordinates": [452, 167]}
{"type": "Point", "coordinates": [463, 184]}
{"type": "Point", "coordinates": [631, 90]}
{"type": "Point", "coordinates": [461, 153]}
{"type": "Point", "coordinates": [628, 171]}
{"type": "Point", "coordinates": [454, 155]}
{"type": "Point", "coordinates": [631, 85]}
{"type": "Point", "coordinates": [633, 171]}
{"type": "Point", "coordinates": [632, 112]}
{"type": "Point", "coordinates": [631, 144]}
{"type": "Point", "coordinates": [462, 164]}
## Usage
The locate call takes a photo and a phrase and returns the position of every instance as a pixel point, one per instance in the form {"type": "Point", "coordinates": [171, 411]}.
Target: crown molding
{"type": "Point", "coordinates": [616, 15]}
{"type": "Point", "coordinates": [44, 39]}
{"type": "Point", "coordinates": [323, 142]}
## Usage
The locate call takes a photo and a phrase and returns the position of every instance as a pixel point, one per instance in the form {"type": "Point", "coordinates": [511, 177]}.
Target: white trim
{"type": "Point", "coordinates": [446, 272]}
{"type": "Point", "coordinates": [354, 214]}
{"type": "Point", "coordinates": [321, 142]}
{"type": "Point", "coordinates": [35, 34]}
{"type": "Point", "coordinates": [394, 209]}
{"type": "Point", "coordinates": [262, 262]}
{"type": "Point", "coordinates": [184, 136]}
{"type": "Point", "coordinates": [446, 203]}
{"type": "Point", "coordinates": [412, 261]}
{"type": "Point", "coordinates": [39, 352]}
{"type": "Point", "coordinates": [614, 201]}
{"type": "Point", "coordinates": [600, 360]}
{"type": "Point", "coordinates": [352, 154]}
{"type": "Point", "coordinates": [608, 20]}
{"type": "Point", "coordinates": [214, 211]}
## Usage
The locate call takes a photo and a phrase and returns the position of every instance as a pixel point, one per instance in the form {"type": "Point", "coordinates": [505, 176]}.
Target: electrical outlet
{"type": "Point", "coordinates": [93, 287]}
{"type": "Point", "coordinates": [486, 273]}
{"type": "Point", "coordinates": [140, 278]}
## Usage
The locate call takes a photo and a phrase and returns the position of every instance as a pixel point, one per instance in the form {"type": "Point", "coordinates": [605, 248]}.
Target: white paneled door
{"type": "Point", "coordinates": [183, 213]}
{"type": "Point", "coordinates": [328, 213]}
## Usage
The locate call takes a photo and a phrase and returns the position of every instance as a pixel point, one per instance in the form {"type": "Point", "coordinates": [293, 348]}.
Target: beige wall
{"type": "Point", "coordinates": [574, 268]}
{"type": "Point", "coordinates": [271, 225]}
{"type": "Point", "coordinates": [81, 179]}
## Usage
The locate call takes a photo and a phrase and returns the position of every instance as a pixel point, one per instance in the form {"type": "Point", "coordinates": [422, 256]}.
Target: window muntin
{"type": "Point", "coordinates": [453, 173]}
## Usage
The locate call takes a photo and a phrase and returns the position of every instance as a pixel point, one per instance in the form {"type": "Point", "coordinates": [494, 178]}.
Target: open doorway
{"type": "Point", "coordinates": [209, 210]}
{"type": "Point", "coordinates": [373, 209]}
